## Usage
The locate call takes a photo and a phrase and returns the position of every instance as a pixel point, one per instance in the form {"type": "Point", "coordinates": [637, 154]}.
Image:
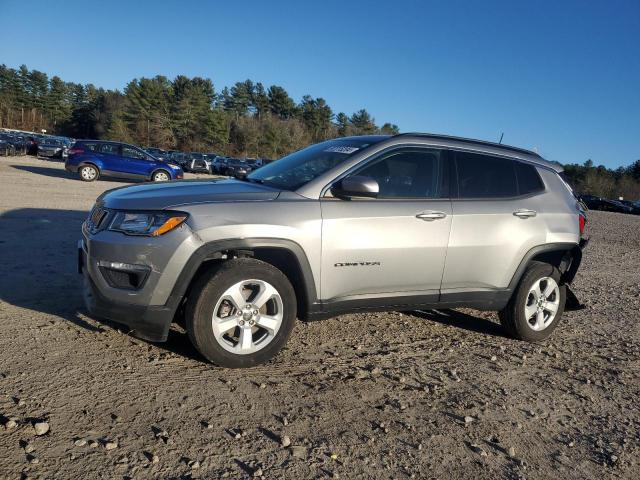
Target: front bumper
{"type": "Point", "coordinates": [149, 322]}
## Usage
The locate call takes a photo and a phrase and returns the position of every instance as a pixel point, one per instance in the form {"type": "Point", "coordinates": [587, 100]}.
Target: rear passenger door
{"type": "Point", "coordinates": [497, 205]}
{"type": "Point", "coordinates": [111, 159]}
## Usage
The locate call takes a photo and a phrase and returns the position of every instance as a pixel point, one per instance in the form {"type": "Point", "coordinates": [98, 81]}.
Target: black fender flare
{"type": "Point", "coordinates": [213, 250]}
{"type": "Point", "coordinates": [560, 247]}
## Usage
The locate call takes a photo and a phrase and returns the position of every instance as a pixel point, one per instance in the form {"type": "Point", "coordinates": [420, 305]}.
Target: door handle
{"type": "Point", "coordinates": [430, 216]}
{"type": "Point", "coordinates": [524, 213]}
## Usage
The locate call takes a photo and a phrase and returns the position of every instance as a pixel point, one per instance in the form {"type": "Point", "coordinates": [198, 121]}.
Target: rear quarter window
{"type": "Point", "coordinates": [529, 180]}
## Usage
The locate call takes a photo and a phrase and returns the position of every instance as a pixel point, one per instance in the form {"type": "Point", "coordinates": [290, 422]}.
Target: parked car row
{"type": "Point", "coordinates": [593, 202]}
{"type": "Point", "coordinates": [13, 144]}
{"type": "Point", "coordinates": [25, 143]}
{"type": "Point", "coordinates": [211, 163]}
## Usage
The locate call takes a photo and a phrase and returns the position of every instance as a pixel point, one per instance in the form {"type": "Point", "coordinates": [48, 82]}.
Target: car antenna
{"type": "Point", "coordinates": [501, 136]}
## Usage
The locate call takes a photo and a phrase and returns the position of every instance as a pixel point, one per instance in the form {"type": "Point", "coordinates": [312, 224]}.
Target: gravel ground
{"type": "Point", "coordinates": [392, 395]}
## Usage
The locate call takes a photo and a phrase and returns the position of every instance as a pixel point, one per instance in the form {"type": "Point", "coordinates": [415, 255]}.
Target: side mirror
{"type": "Point", "coordinates": [356, 186]}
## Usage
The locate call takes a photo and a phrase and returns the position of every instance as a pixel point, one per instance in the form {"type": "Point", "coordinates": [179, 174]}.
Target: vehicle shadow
{"type": "Point", "coordinates": [58, 173]}
{"type": "Point", "coordinates": [455, 318]}
{"type": "Point", "coordinates": [38, 254]}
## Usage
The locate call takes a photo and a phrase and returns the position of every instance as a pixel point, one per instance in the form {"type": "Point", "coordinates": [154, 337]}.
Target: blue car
{"type": "Point", "coordinates": [94, 158]}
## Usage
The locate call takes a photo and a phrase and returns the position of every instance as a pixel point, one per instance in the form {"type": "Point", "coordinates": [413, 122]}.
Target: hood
{"type": "Point", "coordinates": [165, 195]}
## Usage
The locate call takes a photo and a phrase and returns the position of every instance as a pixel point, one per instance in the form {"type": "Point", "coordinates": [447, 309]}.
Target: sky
{"type": "Point", "coordinates": [559, 77]}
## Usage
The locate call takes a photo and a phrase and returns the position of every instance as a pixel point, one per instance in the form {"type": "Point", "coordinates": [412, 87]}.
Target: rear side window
{"type": "Point", "coordinates": [528, 179]}
{"type": "Point", "coordinates": [109, 148]}
{"type": "Point", "coordinates": [89, 146]}
{"type": "Point", "coordinates": [484, 176]}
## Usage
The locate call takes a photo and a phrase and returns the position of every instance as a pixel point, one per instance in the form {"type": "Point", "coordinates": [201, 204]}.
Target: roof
{"type": "Point", "coordinates": [480, 146]}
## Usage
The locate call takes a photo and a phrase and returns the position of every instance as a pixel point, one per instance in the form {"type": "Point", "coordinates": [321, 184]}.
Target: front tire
{"type": "Point", "coordinates": [161, 176]}
{"type": "Point", "coordinates": [241, 314]}
{"type": "Point", "coordinates": [88, 173]}
{"type": "Point", "coordinates": [536, 306]}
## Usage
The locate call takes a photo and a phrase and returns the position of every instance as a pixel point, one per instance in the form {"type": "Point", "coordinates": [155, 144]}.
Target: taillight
{"type": "Point", "coordinates": [76, 151]}
{"type": "Point", "coordinates": [583, 221]}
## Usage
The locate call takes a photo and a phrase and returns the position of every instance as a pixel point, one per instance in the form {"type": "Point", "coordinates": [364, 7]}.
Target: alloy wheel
{"type": "Point", "coordinates": [88, 173]}
{"type": "Point", "coordinates": [543, 302]}
{"type": "Point", "coordinates": [247, 316]}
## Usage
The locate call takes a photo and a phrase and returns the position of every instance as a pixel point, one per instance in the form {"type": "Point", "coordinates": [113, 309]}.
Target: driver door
{"type": "Point", "coordinates": [136, 163]}
{"type": "Point", "coordinates": [393, 245]}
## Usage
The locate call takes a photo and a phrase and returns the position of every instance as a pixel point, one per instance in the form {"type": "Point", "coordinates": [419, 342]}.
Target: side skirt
{"type": "Point", "coordinates": [491, 300]}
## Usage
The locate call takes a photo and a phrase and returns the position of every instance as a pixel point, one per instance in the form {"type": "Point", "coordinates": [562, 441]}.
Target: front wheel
{"type": "Point", "coordinates": [241, 314]}
{"type": "Point", "coordinates": [160, 176]}
{"type": "Point", "coordinates": [89, 173]}
{"type": "Point", "coordinates": [536, 306]}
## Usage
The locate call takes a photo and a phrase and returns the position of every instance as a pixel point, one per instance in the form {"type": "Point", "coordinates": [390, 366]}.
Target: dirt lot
{"type": "Point", "coordinates": [421, 395]}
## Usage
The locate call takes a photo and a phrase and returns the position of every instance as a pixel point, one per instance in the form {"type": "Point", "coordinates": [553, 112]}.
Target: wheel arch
{"type": "Point", "coordinates": [285, 255]}
{"type": "Point", "coordinates": [84, 163]}
{"type": "Point", "coordinates": [566, 257]}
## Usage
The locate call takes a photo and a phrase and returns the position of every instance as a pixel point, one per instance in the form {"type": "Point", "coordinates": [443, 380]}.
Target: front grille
{"type": "Point", "coordinates": [96, 218]}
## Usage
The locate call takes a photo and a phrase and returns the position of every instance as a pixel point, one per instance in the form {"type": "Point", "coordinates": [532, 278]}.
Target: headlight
{"type": "Point", "coordinates": [151, 224]}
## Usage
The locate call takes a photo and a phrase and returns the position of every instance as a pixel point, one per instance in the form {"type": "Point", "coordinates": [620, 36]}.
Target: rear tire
{"type": "Point", "coordinates": [536, 306]}
{"type": "Point", "coordinates": [88, 173]}
{"type": "Point", "coordinates": [241, 314]}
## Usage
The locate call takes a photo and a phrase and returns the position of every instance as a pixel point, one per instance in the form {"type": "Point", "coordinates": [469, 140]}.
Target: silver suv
{"type": "Point", "coordinates": [352, 224]}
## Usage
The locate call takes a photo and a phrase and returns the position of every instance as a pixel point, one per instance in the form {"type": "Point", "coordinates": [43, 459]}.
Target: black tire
{"type": "Point", "coordinates": [210, 287]}
{"type": "Point", "coordinates": [88, 177]}
{"type": "Point", "coordinates": [513, 317]}
{"type": "Point", "coordinates": [154, 177]}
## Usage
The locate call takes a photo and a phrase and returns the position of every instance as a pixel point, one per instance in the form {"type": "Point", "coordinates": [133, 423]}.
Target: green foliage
{"type": "Point", "coordinates": [187, 114]}
{"type": "Point", "coordinates": [183, 113]}
{"type": "Point", "coordinates": [603, 182]}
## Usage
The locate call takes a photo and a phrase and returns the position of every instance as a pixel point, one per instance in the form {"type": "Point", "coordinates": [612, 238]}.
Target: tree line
{"type": "Point", "coordinates": [188, 114]}
{"type": "Point", "coordinates": [604, 182]}
{"type": "Point", "coordinates": [183, 114]}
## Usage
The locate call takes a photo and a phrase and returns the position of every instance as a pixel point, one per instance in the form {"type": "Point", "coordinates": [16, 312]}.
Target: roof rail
{"type": "Point", "coordinates": [436, 136]}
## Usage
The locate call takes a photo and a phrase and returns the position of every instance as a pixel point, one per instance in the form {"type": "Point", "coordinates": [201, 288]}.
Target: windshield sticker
{"type": "Point", "coordinates": [339, 149]}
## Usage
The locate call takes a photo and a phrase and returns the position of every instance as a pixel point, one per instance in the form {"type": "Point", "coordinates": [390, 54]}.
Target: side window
{"type": "Point", "coordinates": [407, 173]}
{"type": "Point", "coordinates": [131, 152]}
{"type": "Point", "coordinates": [529, 180]}
{"type": "Point", "coordinates": [109, 148]}
{"type": "Point", "coordinates": [485, 176]}
{"type": "Point", "coordinates": [91, 146]}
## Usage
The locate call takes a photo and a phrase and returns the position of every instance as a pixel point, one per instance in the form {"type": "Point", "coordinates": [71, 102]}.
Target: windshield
{"type": "Point", "coordinates": [299, 168]}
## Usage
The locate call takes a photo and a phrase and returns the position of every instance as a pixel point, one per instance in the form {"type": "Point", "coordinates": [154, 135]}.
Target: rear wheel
{"type": "Point", "coordinates": [241, 314]}
{"type": "Point", "coordinates": [160, 176]}
{"type": "Point", "coordinates": [89, 173]}
{"type": "Point", "coordinates": [536, 306]}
